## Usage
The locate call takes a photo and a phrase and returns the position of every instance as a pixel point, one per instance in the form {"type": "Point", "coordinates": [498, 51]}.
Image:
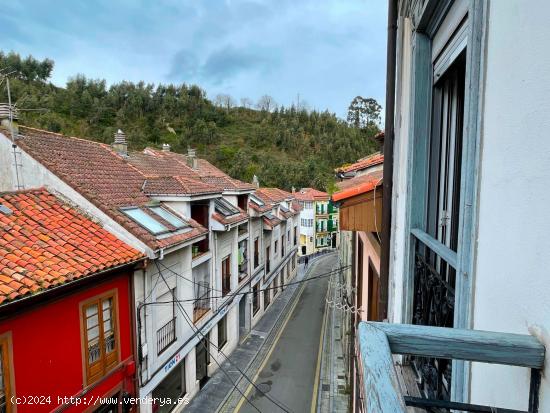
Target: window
{"type": "Point", "coordinates": [243, 259]}
{"type": "Point", "coordinates": [256, 252]}
{"type": "Point", "coordinates": [255, 298]}
{"type": "Point", "coordinates": [225, 208]}
{"type": "Point", "coordinates": [295, 235]}
{"type": "Point", "coordinates": [5, 376]}
{"type": "Point", "coordinates": [267, 260]}
{"type": "Point", "coordinates": [100, 337]}
{"type": "Point", "coordinates": [294, 262]}
{"type": "Point", "coordinates": [172, 387]}
{"type": "Point", "coordinates": [145, 220]}
{"type": "Point", "coordinates": [282, 245]}
{"type": "Point", "coordinates": [445, 156]}
{"type": "Point", "coordinates": [226, 275]}
{"type": "Point", "coordinates": [275, 248]}
{"type": "Point", "coordinates": [169, 217]}
{"type": "Point", "coordinates": [166, 334]}
{"type": "Point", "coordinates": [267, 292]}
{"type": "Point", "coordinates": [222, 332]}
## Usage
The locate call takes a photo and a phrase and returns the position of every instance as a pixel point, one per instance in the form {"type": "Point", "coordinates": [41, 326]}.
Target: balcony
{"type": "Point", "coordinates": [199, 248]}
{"type": "Point", "coordinates": [380, 387]}
{"type": "Point", "coordinates": [166, 335]}
{"type": "Point", "coordinates": [201, 305]}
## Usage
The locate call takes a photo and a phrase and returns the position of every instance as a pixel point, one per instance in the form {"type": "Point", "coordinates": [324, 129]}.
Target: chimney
{"type": "Point", "coordinates": [255, 181]}
{"type": "Point", "coordinates": [120, 145]}
{"type": "Point", "coordinates": [9, 123]}
{"type": "Point", "coordinates": [192, 158]}
{"type": "Point", "coordinates": [293, 190]}
{"type": "Point", "coordinates": [165, 147]}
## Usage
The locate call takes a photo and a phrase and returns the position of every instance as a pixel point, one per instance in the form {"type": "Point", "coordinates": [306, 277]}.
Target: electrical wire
{"type": "Point", "coordinates": [198, 332]}
{"type": "Point", "coordinates": [323, 275]}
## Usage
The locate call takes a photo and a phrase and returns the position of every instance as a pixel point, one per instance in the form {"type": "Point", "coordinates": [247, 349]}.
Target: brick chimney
{"type": "Point", "coordinates": [165, 147]}
{"type": "Point", "coordinates": [120, 145]}
{"type": "Point", "coordinates": [6, 122]}
{"type": "Point", "coordinates": [192, 158]}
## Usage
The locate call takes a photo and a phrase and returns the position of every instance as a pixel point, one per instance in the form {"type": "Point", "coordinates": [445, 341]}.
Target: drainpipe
{"type": "Point", "coordinates": [388, 161]}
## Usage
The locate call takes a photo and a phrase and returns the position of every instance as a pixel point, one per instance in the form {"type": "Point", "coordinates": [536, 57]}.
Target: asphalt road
{"type": "Point", "coordinates": [289, 373]}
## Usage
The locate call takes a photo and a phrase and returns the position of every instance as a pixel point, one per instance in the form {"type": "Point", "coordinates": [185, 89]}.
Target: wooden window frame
{"type": "Point", "coordinates": [8, 370]}
{"type": "Point", "coordinates": [223, 322]}
{"type": "Point", "coordinates": [427, 28]}
{"type": "Point", "coordinates": [106, 365]}
{"type": "Point", "coordinates": [226, 275]}
{"type": "Point", "coordinates": [256, 298]}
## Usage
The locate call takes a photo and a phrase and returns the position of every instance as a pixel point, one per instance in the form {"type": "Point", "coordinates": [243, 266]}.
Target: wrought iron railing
{"type": "Point", "coordinates": [434, 299]}
{"type": "Point", "coordinates": [166, 335]}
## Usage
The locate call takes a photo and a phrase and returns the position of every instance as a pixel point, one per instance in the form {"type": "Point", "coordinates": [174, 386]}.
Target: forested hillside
{"type": "Point", "coordinates": [283, 146]}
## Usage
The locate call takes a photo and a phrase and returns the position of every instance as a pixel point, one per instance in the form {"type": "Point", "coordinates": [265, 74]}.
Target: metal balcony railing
{"type": "Point", "coordinates": [380, 391]}
{"type": "Point", "coordinates": [166, 335]}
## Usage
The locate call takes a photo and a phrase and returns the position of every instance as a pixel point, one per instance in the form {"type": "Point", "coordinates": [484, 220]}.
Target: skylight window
{"type": "Point", "coordinates": [145, 220]}
{"type": "Point", "coordinates": [169, 217]}
{"type": "Point", "coordinates": [284, 208]}
{"type": "Point", "coordinates": [225, 207]}
{"type": "Point", "coordinates": [270, 216]}
{"type": "Point", "coordinates": [257, 201]}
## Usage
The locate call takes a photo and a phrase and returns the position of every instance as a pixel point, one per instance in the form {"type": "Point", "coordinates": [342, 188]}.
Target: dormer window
{"type": "Point", "coordinates": [225, 208]}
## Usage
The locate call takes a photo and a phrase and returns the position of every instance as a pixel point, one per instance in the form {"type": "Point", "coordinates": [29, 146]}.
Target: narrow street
{"type": "Point", "coordinates": [288, 375]}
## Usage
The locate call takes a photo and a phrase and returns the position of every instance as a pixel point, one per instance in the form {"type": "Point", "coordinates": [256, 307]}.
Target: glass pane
{"type": "Point", "coordinates": [225, 207]}
{"type": "Point", "coordinates": [145, 220]}
{"type": "Point", "coordinates": [94, 352]}
{"type": "Point", "coordinates": [110, 342]}
{"type": "Point", "coordinates": [169, 217]}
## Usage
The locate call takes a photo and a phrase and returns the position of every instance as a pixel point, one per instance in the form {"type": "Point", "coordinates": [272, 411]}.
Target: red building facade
{"type": "Point", "coordinates": [66, 333]}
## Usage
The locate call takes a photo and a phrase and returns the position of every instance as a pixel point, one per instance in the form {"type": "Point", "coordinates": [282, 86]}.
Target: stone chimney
{"type": "Point", "coordinates": [192, 158]}
{"type": "Point", "coordinates": [165, 147]}
{"type": "Point", "coordinates": [255, 181]}
{"type": "Point", "coordinates": [6, 122]}
{"type": "Point", "coordinates": [293, 190]}
{"type": "Point", "coordinates": [120, 145]}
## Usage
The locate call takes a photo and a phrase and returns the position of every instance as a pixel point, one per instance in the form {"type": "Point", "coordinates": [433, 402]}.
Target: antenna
{"type": "Point", "coordinates": [12, 130]}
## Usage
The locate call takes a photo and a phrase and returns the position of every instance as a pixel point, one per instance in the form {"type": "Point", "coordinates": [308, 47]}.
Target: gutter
{"type": "Point", "coordinates": [388, 162]}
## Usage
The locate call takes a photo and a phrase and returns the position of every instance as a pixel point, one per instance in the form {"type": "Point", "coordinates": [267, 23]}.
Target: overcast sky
{"type": "Point", "coordinates": [328, 51]}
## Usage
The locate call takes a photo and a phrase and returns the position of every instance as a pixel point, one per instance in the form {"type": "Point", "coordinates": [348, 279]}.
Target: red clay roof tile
{"type": "Point", "coordinates": [51, 263]}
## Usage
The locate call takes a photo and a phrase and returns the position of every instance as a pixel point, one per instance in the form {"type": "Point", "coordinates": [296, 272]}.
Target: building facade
{"type": "Point", "coordinates": [197, 228]}
{"type": "Point", "coordinates": [66, 280]}
{"type": "Point", "coordinates": [319, 221]}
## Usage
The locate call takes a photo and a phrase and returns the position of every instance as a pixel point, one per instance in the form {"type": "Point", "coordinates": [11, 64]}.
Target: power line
{"type": "Point", "coordinates": [273, 400]}
{"type": "Point", "coordinates": [323, 275]}
{"type": "Point", "coordinates": [198, 332]}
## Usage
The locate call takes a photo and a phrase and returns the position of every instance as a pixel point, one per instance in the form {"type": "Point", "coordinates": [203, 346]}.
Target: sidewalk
{"type": "Point", "coordinates": [333, 386]}
{"type": "Point", "coordinates": [219, 395]}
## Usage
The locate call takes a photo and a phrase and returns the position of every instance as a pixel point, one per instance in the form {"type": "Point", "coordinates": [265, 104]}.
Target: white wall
{"type": "Point", "coordinates": [513, 255]}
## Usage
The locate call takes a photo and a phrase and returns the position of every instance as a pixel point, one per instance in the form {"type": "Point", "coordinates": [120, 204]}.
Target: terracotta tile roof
{"type": "Point", "coordinates": [204, 171]}
{"type": "Point", "coordinates": [102, 176]}
{"type": "Point", "coordinates": [358, 185]}
{"type": "Point", "coordinates": [176, 185]}
{"type": "Point", "coordinates": [363, 163]}
{"type": "Point", "coordinates": [311, 194]}
{"type": "Point", "coordinates": [273, 195]}
{"type": "Point", "coordinates": [242, 216]}
{"type": "Point", "coordinates": [44, 243]}
{"type": "Point", "coordinates": [271, 221]}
